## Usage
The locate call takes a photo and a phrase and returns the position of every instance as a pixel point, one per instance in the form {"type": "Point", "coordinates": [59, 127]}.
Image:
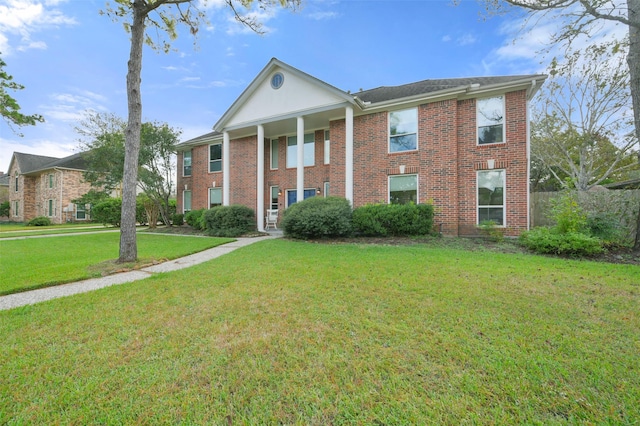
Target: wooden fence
{"type": "Point", "coordinates": [621, 204]}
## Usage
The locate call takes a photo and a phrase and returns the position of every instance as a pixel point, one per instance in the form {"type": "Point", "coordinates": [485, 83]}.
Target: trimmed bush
{"type": "Point", "coordinates": [177, 219]}
{"type": "Point", "coordinates": [607, 228]}
{"type": "Point", "coordinates": [194, 219]}
{"type": "Point", "coordinates": [545, 241]}
{"type": "Point", "coordinates": [108, 212]}
{"type": "Point", "coordinates": [228, 221]}
{"type": "Point", "coordinates": [40, 221]}
{"type": "Point", "coordinates": [393, 219]}
{"type": "Point", "coordinates": [318, 217]}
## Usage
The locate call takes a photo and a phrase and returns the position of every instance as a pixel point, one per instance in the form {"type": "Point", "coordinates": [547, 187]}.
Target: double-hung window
{"type": "Point", "coordinates": [327, 147]}
{"type": "Point", "coordinates": [81, 212]}
{"type": "Point", "coordinates": [491, 184]}
{"type": "Point", "coordinates": [403, 130]}
{"type": "Point", "coordinates": [186, 163]}
{"type": "Point", "coordinates": [186, 201]}
{"type": "Point", "coordinates": [274, 154]}
{"type": "Point", "coordinates": [215, 157]}
{"type": "Point", "coordinates": [50, 208]}
{"type": "Point", "coordinates": [309, 150]}
{"type": "Point", "coordinates": [403, 189]}
{"type": "Point", "coordinates": [215, 197]}
{"type": "Point", "coordinates": [50, 180]}
{"type": "Point", "coordinates": [490, 118]}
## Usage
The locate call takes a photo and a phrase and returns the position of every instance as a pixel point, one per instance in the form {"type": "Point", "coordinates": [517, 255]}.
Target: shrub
{"type": "Point", "coordinates": [607, 228]}
{"type": "Point", "coordinates": [5, 208]}
{"type": "Point", "coordinates": [177, 219]}
{"type": "Point", "coordinates": [548, 241]}
{"type": "Point", "coordinates": [40, 221]}
{"type": "Point", "coordinates": [568, 214]}
{"type": "Point", "coordinates": [318, 217]}
{"type": "Point", "coordinates": [492, 230]}
{"type": "Point", "coordinates": [194, 219]}
{"type": "Point", "coordinates": [228, 221]}
{"type": "Point", "coordinates": [108, 212]}
{"type": "Point", "coordinates": [393, 219]}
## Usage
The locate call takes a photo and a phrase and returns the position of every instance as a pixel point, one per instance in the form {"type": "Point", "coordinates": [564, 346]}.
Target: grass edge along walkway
{"type": "Point", "coordinates": [40, 295]}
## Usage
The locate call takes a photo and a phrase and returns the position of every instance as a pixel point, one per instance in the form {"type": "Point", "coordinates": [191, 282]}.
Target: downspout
{"type": "Point", "coordinates": [533, 86]}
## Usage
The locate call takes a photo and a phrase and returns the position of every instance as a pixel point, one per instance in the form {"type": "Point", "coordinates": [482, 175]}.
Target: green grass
{"type": "Point", "coordinates": [285, 332]}
{"type": "Point", "coordinates": [32, 263]}
{"type": "Point", "coordinates": [12, 230]}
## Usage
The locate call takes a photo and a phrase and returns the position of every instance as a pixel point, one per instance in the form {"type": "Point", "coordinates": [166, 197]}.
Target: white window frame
{"type": "Point", "coordinates": [209, 195]}
{"type": "Point", "coordinates": [16, 208]}
{"type": "Point", "coordinates": [292, 160]}
{"type": "Point", "coordinates": [184, 157]}
{"type": "Point", "coordinates": [390, 136]}
{"type": "Point", "coordinates": [50, 207]}
{"type": "Point", "coordinates": [50, 181]}
{"type": "Point", "coordinates": [81, 208]}
{"type": "Point", "coordinates": [503, 123]}
{"type": "Point", "coordinates": [326, 189]}
{"type": "Point", "coordinates": [327, 147]}
{"type": "Point", "coordinates": [273, 190]}
{"type": "Point", "coordinates": [504, 197]}
{"type": "Point", "coordinates": [396, 176]}
{"type": "Point", "coordinates": [184, 209]}
{"type": "Point", "coordinates": [216, 160]}
{"type": "Point", "coordinates": [273, 154]}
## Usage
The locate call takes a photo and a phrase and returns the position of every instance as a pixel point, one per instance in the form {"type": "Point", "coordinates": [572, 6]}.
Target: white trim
{"type": "Point", "coordinates": [271, 197]}
{"type": "Point", "coordinates": [327, 147]}
{"type": "Point", "coordinates": [271, 141]}
{"type": "Point", "coordinates": [325, 188]}
{"type": "Point", "coordinates": [260, 179]}
{"type": "Point", "coordinates": [209, 195]}
{"type": "Point", "coordinates": [403, 175]}
{"type": "Point", "coordinates": [300, 152]}
{"type": "Point", "coordinates": [504, 121]}
{"type": "Point", "coordinates": [528, 143]}
{"type": "Point", "coordinates": [222, 151]}
{"type": "Point", "coordinates": [191, 158]}
{"type": "Point", "coordinates": [348, 173]}
{"type": "Point", "coordinates": [504, 197]}
{"type": "Point", "coordinates": [226, 178]}
{"type": "Point", "coordinates": [191, 202]}
{"type": "Point", "coordinates": [389, 131]}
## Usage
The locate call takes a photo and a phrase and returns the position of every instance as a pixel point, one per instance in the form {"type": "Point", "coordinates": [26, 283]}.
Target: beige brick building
{"type": "Point", "coordinates": [46, 186]}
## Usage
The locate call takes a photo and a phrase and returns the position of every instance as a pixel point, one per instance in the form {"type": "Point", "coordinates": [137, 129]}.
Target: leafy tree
{"type": "Point", "coordinates": [9, 108]}
{"type": "Point", "coordinates": [5, 209]}
{"type": "Point", "coordinates": [582, 129]}
{"type": "Point", "coordinates": [164, 16]}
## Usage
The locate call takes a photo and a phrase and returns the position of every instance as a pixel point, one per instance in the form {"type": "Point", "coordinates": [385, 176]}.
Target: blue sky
{"type": "Point", "coordinates": [71, 59]}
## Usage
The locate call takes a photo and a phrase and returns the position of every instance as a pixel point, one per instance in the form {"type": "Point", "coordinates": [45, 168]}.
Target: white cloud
{"type": "Point", "coordinates": [446, 38]}
{"type": "Point", "coordinates": [20, 20]}
{"type": "Point", "coordinates": [71, 107]}
{"type": "Point", "coordinates": [319, 16]}
{"type": "Point", "coordinates": [466, 39]}
{"type": "Point", "coordinates": [44, 147]}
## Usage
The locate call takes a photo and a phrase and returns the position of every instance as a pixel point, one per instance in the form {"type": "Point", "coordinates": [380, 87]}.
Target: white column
{"type": "Point", "coordinates": [348, 167]}
{"type": "Point", "coordinates": [260, 179]}
{"type": "Point", "coordinates": [226, 179]}
{"type": "Point", "coordinates": [300, 152]}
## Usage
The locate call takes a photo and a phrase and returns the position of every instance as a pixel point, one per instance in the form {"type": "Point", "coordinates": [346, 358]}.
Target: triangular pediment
{"type": "Point", "coordinates": [281, 91]}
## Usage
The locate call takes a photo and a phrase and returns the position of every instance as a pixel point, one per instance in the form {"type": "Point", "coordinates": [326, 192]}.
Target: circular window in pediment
{"type": "Point", "coordinates": [276, 80]}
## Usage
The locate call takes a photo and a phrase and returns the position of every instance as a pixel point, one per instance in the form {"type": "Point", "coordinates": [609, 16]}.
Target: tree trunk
{"type": "Point", "coordinates": [128, 242]}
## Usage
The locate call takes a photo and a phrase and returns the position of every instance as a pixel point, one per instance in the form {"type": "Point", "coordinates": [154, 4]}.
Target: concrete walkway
{"type": "Point", "coordinates": [40, 295]}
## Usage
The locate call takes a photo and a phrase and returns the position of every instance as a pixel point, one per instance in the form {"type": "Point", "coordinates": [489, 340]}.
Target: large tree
{"type": "Point", "coordinates": [165, 16]}
{"type": "Point", "coordinates": [9, 107]}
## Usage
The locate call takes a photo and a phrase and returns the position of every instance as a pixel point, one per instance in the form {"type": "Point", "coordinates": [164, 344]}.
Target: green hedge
{"type": "Point", "coordinates": [228, 221]}
{"type": "Point", "coordinates": [393, 219]}
{"type": "Point", "coordinates": [318, 217]}
{"type": "Point", "coordinates": [194, 219]}
{"type": "Point", "coordinates": [549, 241]}
{"type": "Point", "coordinates": [40, 221]}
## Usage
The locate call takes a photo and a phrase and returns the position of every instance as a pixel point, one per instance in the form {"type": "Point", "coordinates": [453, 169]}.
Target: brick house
{"type": "Point", "coordinates": [461, 144]}
{"type": "Point", "coordinates": [45, 186]}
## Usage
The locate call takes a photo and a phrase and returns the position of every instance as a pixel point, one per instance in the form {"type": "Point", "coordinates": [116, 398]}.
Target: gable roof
{"type": "Point", "coordinates": [424, 87]}
{"type": "Point", "coordinates": [31, 163]}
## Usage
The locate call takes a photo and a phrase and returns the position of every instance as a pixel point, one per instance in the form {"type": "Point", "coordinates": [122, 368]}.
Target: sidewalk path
{"type": "Point", "coordinates": [40, 295]}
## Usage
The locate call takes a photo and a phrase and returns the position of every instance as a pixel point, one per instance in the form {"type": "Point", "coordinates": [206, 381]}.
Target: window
{"type": "Point", "coordinates": [326, 189]}
{"type": "Point", "coordinates": [186, 163]}
{"type": "Point", "coordinates": [16, 208]}
{"type": "Point", "coordinates": [309, 150]}
{"type": "Point", "coordinates": [50, 180]}
{"type": "Point", "coordinates": [403, 189]}
{"type": "Point", "coordinates": [81, 213]}
{"type": "Point", "coordinates": [403, 130]}
{"type": "Point", "coordinates": [186, 201]}
{"type": "Point", "coordinates": [491, 185]}
{"type": "Point", "coordinates": [274, 198]}
{"type": "Point", "coordinates": [327, 147]}
{"type": "Point", "coordinates": [17, 183]}
{"type": "Point", "coordinates": [50, 209]}
{"type": "Point", "coordinates": [215, 197]}
{"type": "Point", "coordinates": [274, 154]}
{"type": "Point", "coordinates": [292, 195]}
{"type": "Point", "coordinates": [490, 117]}
{"type": "Point", "coordinates": [215, 158]}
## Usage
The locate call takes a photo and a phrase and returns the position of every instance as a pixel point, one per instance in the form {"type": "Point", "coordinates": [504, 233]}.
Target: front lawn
{"type": "Point", "coordinates": [31, 263]}
{"type": "Point", "coordinates": [284, 332]}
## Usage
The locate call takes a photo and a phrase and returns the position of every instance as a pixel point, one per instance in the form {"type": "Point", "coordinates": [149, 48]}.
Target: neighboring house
{"type": "Point", "coordinates": [45, 186]}
{"type": "Point", "coordinates": [461, 144]}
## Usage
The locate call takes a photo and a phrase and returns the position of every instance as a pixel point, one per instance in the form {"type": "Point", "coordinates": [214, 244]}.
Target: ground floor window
{"type": "Point", "coordinates": [81, 212]}
{"type": "Point", "coordinates": [215, 197]}
{"type": "Point", "coordinates": [274, 198]}
{"type": "Point", "coordinates": [491, 185]}
{"type": "Point", "coordinates": [403, 189]}
{"type": "Point", "coordinates": [50, 208]}
{"type": "Point", "coordinates": [326, 189]}
{"type": "Point", "coordinates": [186, 201]}
{"type": "Point", "coordinates": [292, 195]}
{"type": "Point", "coordinates": [16, 208]}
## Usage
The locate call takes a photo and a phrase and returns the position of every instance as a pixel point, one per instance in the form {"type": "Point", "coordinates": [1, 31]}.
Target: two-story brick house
{"type": "Point", "coordinates": [46, 186]}
{"type": "Point", "coordinates": [461, 144]}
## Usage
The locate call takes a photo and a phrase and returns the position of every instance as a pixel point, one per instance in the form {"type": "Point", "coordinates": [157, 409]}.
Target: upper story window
{"type": "Point", "coordinates": [309, 150]}
{"type": "Point", "coordinates": [17, 183]}
{"type": "Point", "coordinates": [490, 118]}
{"type": "Point", "coordinates": [186, 163]}
{"type": "Point", "coordinates": [50, 180]}
{"type": "Point", "coordinates": [403, 130]}
{"type": "Point", "coordinates": [274, 154]}
{"type": "Point", "coordinates": [215, 157]}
